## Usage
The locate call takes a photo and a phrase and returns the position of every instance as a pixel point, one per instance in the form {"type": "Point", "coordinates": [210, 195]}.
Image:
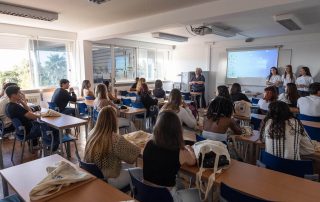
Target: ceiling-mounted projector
{"type": "Point", "coordinates": [213, 29]}
{"type": "Point", "coordinates": [289, 21]}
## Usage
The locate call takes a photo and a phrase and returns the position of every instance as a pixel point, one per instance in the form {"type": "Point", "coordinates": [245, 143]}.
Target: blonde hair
{"type": "Point", "coordinates": [175, 101]}
{"type": "Point", "coordinates": [101, 91]}
{"type": "Point", "coordinates": [140, 82]}
{"type": "Point", "coordinates": [100, 137]}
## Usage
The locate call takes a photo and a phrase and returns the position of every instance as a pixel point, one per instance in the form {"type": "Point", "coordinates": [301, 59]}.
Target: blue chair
{"type": "Point", "coordinates": [308, 118]}
{"type": "Point", "coordinates": [299, 168]}
{"type": "Point", "coordinates": [89, 98]}
{"type": "Point", "coordinates": [186, 95]}
{"type": "Point", "coordinates": [314, 133]}
{"type": "Point", "coordinates": [146, 193]}
{"type": "Point", "coordinates": [12, 198]}
{"type": "Point", "coordinates": [20, 135]}
{"type": "Point", "coordinates": [95, 115]}
{"type": "Point", "coordinates": [53, 106]}
{"type": "Point", "coordinates": [199, 138]}
{"type": "Point", "coordinates": [138, 105]}
{"type": "Point", "coordinates": [83, 110]}
{"type": "Point", "coordinates": [132, 94]}
{"type": "Point", "coordinates": [232, 195]}
{"type": "Point", "coordinates": [254, 100]}
{"type": "Point", "coordinates": [126, 101]}
{"type": "Point", "coordinates": [256, 123]}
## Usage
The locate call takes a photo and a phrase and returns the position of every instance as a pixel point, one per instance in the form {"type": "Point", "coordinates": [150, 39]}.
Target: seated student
{"type": "Point", "coordinates": [62, 97]}
{"type": "Point", "coordinates": [107, 149]}
{"type": "Point", "coordinates": [310, 105]}
{"type": "Point", "coordinates": [4, 100]}
{"type": "Point", "coordinates": [85, 89]}
{"type": "Point", "coordinates": [223, 91]}
{"type": "Point", "coordinates": [219, 120]}
{"type": "Point", "coordinates": [102, 101]}
{"type": "Point", "coordinates": [110, 96]}
{"type": "Point", "coordinates": [303, 81]}
{"type": "Point", "coordinates": [158, 91]}
{"type": "Point", "coordinates": [145, 98]}
{"type": "Point", "coordinates": [140, 82]}
{"type": "Point", "coordinates": [270, 95]}
{"type": "Point", "coordinates": [236, 95]}
{"type": "Point", "coordinates": [284, 135]}
{"type": "Point", "coordinates": [134, 86]}
{"type": "Point", "coordinates": [176, 104]}
{"type": "Point", "coordinates": [18, 108]}
{"type": "Point", "coordinates": [290, 96]}
{"type": "Point", "coordinates": [165, 154]}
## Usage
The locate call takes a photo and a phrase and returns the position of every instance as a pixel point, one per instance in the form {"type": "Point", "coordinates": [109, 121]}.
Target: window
{"type": "Point", "coordinates": [102, 63]}
{"type": "Point", "coordinates": [146, 64]}
{"type": "Point", "coordinates": [35, 63]}
{"type": "Point", "coordinates": [124, 64]}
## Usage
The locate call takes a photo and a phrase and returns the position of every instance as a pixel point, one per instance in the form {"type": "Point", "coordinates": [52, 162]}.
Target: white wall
{"type": "Point", "coordinates": [305, 52]}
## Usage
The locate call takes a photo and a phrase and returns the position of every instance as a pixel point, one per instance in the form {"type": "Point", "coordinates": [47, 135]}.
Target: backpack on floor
{"type": "Point", "coordinates": [211, 155]}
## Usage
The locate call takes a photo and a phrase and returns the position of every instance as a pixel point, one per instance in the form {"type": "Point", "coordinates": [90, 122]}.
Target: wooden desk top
{"type": "Point", "coordinates": [311, 123]}
{"type": "Point", "coordinates": [249, 138]}
{"type": "Point", "coordinates": [25, 176]}
{"type": "Point", "coordinates": [96, 190]}
{"type": "Point", "coordinates": [196, 93]}
{"type": "Point", "coordinates": [264, 183]}
{"type": "Point", "coordinates": [132, 111]}
{"type": "Point", "coordinates": [63, 122]}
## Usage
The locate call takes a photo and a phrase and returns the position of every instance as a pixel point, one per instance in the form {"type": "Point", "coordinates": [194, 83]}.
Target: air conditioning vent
{"type": "Point", "coordinates": [289, 21]}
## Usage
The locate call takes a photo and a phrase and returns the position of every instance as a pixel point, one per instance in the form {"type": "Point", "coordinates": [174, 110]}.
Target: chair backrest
{"type": "Point", "coordinates": [256, 123]}
{"type": "Point", "coordinates": [46, 134]}
{"type": "Point", "coordinates": [146, 193]}
{"type": "Point", "coordinates": [254, 100]}
{"type": "Point", "coordinates": [123, 92]}
{"type": "Point", "coordinates": [308, 118]}
{"type": "Point", "coordinates": [232, 195]}
{"type": "Point", "coordinates": [132, 94]}
{"type": "Point", "coordinates": [138, 105]}
{"type": "Point", "coordinates": [314, 133]}
{"type": "Point", "coordinates": [83, 108]}
{"type": "Point", "coordinates": [186, 95]}
{"type": "Point", "coordinates": [95, 115]}
{"type": "Point", "coordinates": [20, 129]}
{"type": "Point", "coordinates": [53, 106]}
{"type": "Point", "coordinates": [298, 168]}
{"type": "Point", "coordinates": [91, 168]}
{"type": "Point", "coordinates": [89, 98]}
{"type": "Point", "coordinates": [126, 101]}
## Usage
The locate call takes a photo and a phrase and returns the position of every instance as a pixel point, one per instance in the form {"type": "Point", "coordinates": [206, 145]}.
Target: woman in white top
{"type": "Point", "coordinates": [102, 100]}
{"type": "Point", "coordinates": [274, 79]}
{"type": "Point", "coordinates": [176, 104]}
{"type": "Point", "coordinates": [288, 76]}
{"type": "Point", "coordinates": [303, 81]}
{"type": "Point", "coordinates": [85, 89]}
{"type": "Point", "coordinates": [290, 96]}
{"type": "Point", "coordinates": [270, 95]}
{"type": "Point", "coordinates": [284, 135]}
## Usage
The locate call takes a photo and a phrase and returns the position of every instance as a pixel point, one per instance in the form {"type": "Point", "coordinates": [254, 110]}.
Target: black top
{"type": "Point", "coordinates": [198, 87]}
{"type": "Point", "coordinates": [14, 110]}
{"type": "Point", "coordinates": [160, 166]}
{"type": "Point", "coordinates": [134, 86]}
{"type": "Point", "coordinates": [147, 101]}
{"type": "Point", "coordinates": [62, 97]}
{"type": "Point", "coordinates": [159, 93]}
{"type": "Point", "coordinates": [238, 97]}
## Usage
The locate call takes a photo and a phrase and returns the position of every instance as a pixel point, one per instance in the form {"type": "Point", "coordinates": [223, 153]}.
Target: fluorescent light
{"type": "Point", "coordinates": [170, 37]}
{"type": "Point", "coordinates": [27, 12]}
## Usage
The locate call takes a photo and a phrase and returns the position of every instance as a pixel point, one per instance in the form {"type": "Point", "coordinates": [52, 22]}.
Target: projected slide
{"type": "Point", "coordinates": [251, 63]}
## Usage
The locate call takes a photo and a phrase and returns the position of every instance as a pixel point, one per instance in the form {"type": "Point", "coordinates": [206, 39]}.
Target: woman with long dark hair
{"type": "Point", "coordinates": [303, 81]}
{"type": "Point", "coordinates": [85, 89]}
{"type": "Point", "coordinates": [274, 79]}
{"type": "Point", "coordinates": [270, 95]}
{"type": "Point", "coordinates": [219, 120]}
{"type": "Point", "coordinates": [283, 134]}
{"type": "Point", "coordinates": [165, 154]}
{"type": "Point", "coordinates": [236, 94]}
{"type": "Point", "coordinates": [223, 91]}
{"type": "Point", "coordinates": [290, 96]}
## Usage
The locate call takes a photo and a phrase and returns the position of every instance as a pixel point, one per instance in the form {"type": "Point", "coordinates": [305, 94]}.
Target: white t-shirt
{"type": "Point", "coordinates": [4, 100]}
{"type": "Point", "coordinates": [263, 104]}
{"type": "Point", "coordinates": [273, 79]}
{"type": "Point", "coordinates": [288, 79]}
{"type": "Point", "coordinates": [185, 115]}
{"type": "Point", "coordinates": [304, 80]}
{"type": "Point", "coordinates": [309, 105]}
{"type": "Point", "coordinates": [282, 97]}
{"type": "Point", "coordinates": [292, 146]}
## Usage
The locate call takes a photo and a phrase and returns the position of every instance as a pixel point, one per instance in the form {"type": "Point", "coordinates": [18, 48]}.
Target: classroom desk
{"type": "Point", "coordinates": [64, 122]}
{"type": "Point", "coordinates": [131, 111]}
{"type": "Point", "coordinates": [25, 176]}
{"type": "Point", "coordinates": [264, 183]}
{"type": "Point", "coordinates": [311, 124]}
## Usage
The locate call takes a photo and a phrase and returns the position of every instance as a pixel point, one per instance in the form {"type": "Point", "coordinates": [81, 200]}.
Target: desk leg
{"type": "Point", "coordinates": [61, 144]}
{"type": "Point", "coordinates": [86, 126]}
